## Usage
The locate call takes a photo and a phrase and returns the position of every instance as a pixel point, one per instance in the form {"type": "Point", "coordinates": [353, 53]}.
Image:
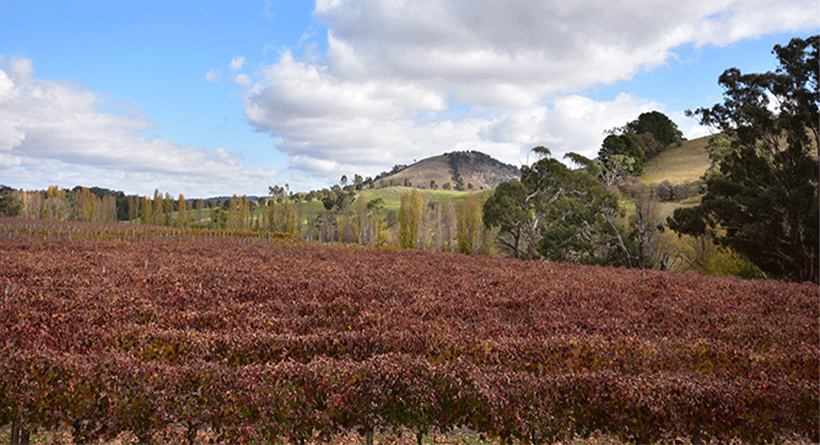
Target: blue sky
{"type": "Point", "coordinates": [214, 98]}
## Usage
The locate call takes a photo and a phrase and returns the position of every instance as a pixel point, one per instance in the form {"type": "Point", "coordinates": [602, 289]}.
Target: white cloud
{"type": "Point", "coordinates": [212, 75]}
{"type": "Point", "coordinates": [397, 77]}
{"type": "Point", "coordinates": [53, 129]}
{"type": "Point", "coordinates": [237, 63]}
{"type": "Point", "coordinates": [243, 80]}
{"type": "Point", "coordinates": [577, 123]}
{"type": "Point", "coordinates": [266, 10]}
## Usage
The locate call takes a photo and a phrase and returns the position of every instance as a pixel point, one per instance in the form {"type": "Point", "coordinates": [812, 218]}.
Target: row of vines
{"type": "Point", "coordinates": [268, 341]}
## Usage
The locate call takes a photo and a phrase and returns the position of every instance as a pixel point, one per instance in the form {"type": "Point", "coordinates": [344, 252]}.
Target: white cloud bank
{"type": "Point", "coordinates": [403, 80]}
{"type": "Point", "coordinates": [51, 132]}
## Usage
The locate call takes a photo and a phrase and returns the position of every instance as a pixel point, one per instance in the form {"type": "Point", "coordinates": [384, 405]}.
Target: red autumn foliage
{"type": "Point", "coordinates": [265, 341]}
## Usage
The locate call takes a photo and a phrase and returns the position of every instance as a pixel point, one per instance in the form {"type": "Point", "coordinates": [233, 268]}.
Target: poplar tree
{"type": "Point", "coordinates": [55, 206]}
{"type": "Point", "coordinates": [182, 212]}
{"type": "Point", "coordinates": [146, 211]}
{"type": "Point", "coordinates": [410, 217]}
{"type": "Point", "coordinates": [468, 217]}
{"type": "Point", "coordinates": [133, 207]}
{"type": "Point", "coordinates": [86, 203]}
{"type": "Point", "coordinates": [156, 211]}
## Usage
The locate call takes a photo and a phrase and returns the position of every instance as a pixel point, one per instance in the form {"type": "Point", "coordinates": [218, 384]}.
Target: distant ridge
{"type": "Point", "coordinates": [462, 170]}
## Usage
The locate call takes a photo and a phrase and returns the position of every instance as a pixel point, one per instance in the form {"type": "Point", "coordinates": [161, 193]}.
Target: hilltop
{"type": "Point", "coordinates": [460, 170]}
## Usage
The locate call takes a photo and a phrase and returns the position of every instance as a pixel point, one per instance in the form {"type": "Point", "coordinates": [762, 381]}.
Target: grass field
{"type": "Point", "coordinates": [678, 165]}
{"type": "Point", "coordinates": [392, 195]}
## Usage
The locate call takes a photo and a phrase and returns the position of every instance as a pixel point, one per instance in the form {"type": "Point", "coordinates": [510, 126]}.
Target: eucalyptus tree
{"type": "Point", "coordinates": [762, 197]}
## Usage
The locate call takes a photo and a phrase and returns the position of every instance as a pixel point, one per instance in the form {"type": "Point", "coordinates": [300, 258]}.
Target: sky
{"type": "Point", "coordinates": [222, 98]}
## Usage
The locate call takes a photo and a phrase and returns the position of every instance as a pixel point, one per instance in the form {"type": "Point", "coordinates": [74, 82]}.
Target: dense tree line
{"type": "Point", "coordinates": [103, 205]}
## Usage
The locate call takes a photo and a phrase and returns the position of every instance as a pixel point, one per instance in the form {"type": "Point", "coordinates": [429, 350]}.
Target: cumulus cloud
{"type": "Point", "coordinates": [403, 80]}
{"type": "Point", "coordinates": [237, 63]}
{"type": "Point", "coordinates": [212, 75]}
{"type": "Point", "coordinates": [55, 128]}
{"type": "Point", "coordinates": [541, 47]}
{"type": "Point", "coordinates": [244, 80]}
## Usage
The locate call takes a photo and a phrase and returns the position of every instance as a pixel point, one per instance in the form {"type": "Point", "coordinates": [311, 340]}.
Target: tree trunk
{"type": "Point", "coordinates": [618, 237]}
{"type": "Point", "coordinates": [19, 435]}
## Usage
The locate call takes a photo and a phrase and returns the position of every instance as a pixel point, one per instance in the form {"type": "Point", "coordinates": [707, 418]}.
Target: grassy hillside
{"type": "Point", "coordinates": [436, 169]}
{"type": "Point", "coordinates": [678, 165]}
{"type": "Point", "coordinates": [475, 169]}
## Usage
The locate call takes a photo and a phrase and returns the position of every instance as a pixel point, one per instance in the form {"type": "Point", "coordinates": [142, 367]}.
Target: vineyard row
{"type": "Point", "coordinates": [273, 340]}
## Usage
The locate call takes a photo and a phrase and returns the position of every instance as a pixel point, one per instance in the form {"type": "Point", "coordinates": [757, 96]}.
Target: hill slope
{"type": "Point", "coordinates": [678, 165]}
{"type": "Point", "coordinates": [465, 167]}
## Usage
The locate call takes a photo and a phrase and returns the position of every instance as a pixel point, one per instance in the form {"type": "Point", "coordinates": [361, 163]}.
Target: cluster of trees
{"type": "Point", "coordinates": [419, 223]}
{"type": "Point", "coordinates": [78, 204]}
{"type": "Point", "coordinates": [564, 214]}
{"type": "Point", "coordinates": [9, 207]}
{"type": "Point", "coordinates": [561, 214]}
{"type": "Point", "coordinates": [761, 195]}
{"type": "Point", "coordinates": [762, 198]}
{"type": "Point", "coordinates": [103, 205]}
{"type": "Point", "coordinates": [627, 148]}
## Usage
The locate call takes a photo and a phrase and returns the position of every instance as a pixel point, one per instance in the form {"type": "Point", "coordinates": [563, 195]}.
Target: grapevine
{"type": "Point", "coordinates": [274, 340]}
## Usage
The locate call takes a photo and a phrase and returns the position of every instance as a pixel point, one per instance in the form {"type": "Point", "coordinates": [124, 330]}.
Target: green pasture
{"type": "Point", "coordinates": [678, 165]}
{"type": "Point", "coordinates": [392, 195]}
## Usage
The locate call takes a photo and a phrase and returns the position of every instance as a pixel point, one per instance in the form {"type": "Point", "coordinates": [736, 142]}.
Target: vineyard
{"type": "Point", "coordinates": [175, 339]}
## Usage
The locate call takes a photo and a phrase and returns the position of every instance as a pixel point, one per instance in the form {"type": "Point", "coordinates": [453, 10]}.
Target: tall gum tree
{"type": "Point", "coordinates": [558, 214]}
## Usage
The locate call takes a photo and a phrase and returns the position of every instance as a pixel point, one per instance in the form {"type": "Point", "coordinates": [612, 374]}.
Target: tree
{"type": "Point", "coordinates": [578, 216]}
{"type": "Point", "coordinates": [9, 206]}
{"type": "Point", "coordinates": [617, 147]}
{"type": "Point", "coordinates": [410, 218]}
{"type": "Point", "coordinates": [156, 211]}
{"type": "Point", "coordinates": [562, 214]}
{"type": "Point", "coordinates": [133, 207]}
{"type": "Point", "coordinates": [762, 198]}
{"type": "Point", "coordinates": [200, 206]}
{"type": "Point", "coordinates": [658, 125]}
{"type": "Point", "coordinates": [510, 209]}
{"type": "Point", "coordinates": [468, 224]}
{"type": "Point", "coordinates": [182, 211]}
{"type": "Point", "coordinates": [146, 211]}
{"type": "Point", "coordinates": [645, 227]}
{"type": "Point", "coordinates": [55, 205]}
{"type": "Point", "coordinates": [283, 217]}
{"type": "Point", "coordinates": [276, 191]}
{"type": "Point", "coordinates": [87, 204]}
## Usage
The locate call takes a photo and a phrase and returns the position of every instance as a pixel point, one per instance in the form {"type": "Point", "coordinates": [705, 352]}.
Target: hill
{"type": "Point", "coordinates": [458, 169]}
{"type": "Point", "coordinates": [678, 165]}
